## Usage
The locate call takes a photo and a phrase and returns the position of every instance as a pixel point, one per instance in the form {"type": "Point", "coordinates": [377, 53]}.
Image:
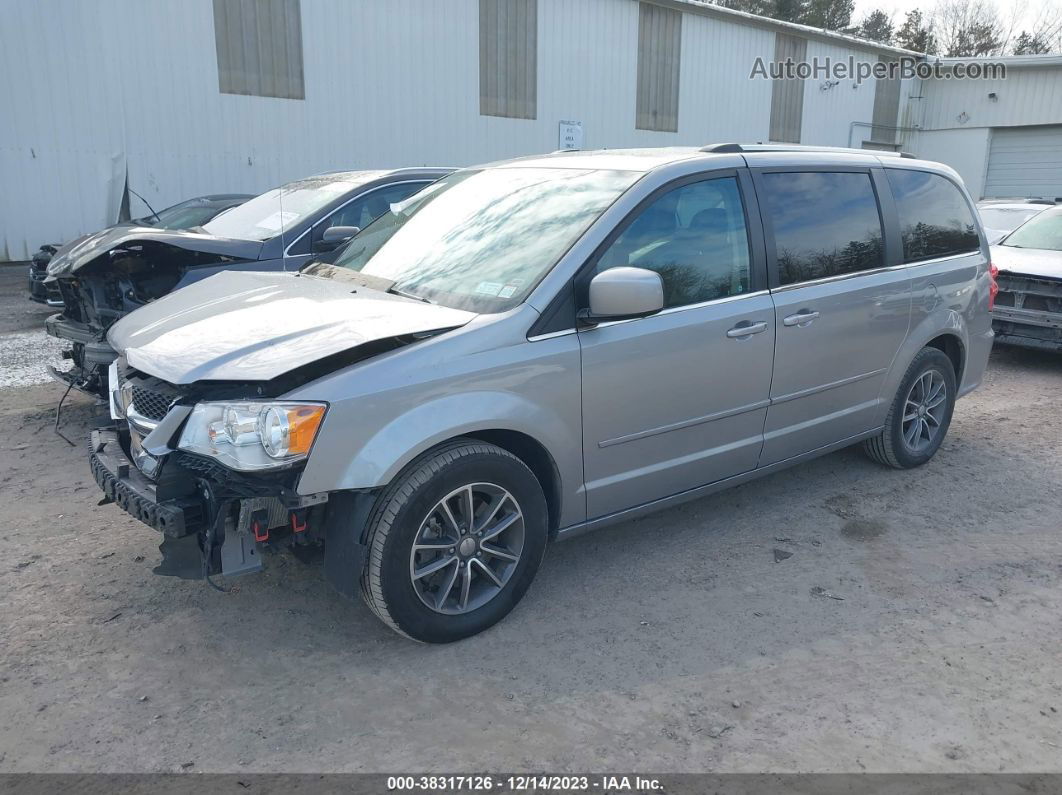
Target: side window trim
{"type": "Point", "coordinates": [773, 280]}
{"type": "Point", "coordinates": [752, 230]}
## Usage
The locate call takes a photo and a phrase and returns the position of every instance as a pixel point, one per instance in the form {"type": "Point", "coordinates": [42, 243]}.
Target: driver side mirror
{"type": "Point", "coordinates": [334, 236]}
{"type": "Point", "coordinates": [622, 294]}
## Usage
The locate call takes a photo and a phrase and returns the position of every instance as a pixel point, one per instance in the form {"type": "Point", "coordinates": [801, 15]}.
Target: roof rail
{"type": "Point", "coordinates": [718, 149]}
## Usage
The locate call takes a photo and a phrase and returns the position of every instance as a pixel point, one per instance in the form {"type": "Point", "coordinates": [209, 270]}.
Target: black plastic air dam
{"type": "Point", "coordinates": [181, 557]}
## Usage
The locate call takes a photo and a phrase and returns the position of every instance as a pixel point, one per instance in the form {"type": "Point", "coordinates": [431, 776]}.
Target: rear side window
{"type": "Point", "coordinates": [824, 223]}
{"type": "Point", "coordinates": [935, 220]}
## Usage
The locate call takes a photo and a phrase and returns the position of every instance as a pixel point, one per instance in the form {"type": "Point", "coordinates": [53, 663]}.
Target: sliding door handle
{"type": "Point", "coordinates": [747, 330]}
{"type": "Point", "coordinates": [801, 318]}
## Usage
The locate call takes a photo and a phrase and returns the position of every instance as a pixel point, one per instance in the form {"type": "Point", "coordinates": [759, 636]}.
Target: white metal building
{"type": "Point", "coordinates": [176, 100]}
{"type": "Point", "coordinates": [1003, 136]}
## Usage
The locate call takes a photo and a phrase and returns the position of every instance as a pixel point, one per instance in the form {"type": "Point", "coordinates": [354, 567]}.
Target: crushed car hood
{"type": "Point", "coordinates": [1028, 261]}
{"type": "Point", "coordinates": [253, 326]}
{"type": "Point", "coordinates": [81, 252]}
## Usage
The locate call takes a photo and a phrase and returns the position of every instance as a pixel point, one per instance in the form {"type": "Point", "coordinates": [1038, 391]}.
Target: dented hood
{"type": "Point", "coordinates": [1044, 263]}
{"type": "Point", "coordinates": [251, 326]}
{"type": "Point", "coordinates": [82, 251]}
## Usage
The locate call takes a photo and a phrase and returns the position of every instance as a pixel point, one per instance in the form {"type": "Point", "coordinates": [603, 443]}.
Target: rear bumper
{"type": "Point", "coordinates": [122, 482]}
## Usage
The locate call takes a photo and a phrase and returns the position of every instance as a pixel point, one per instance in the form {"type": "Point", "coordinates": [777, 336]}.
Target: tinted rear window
{"type": "Point", "coordinates": [825, 224]}
{"type": "Point", "coordinates": [935, 219]}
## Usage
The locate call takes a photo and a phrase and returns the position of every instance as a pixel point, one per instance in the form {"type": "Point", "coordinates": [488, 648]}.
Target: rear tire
{"type": "Point", "coordinates": [920, 414]}
{"type": "Point", "coordinates": [437, 571]}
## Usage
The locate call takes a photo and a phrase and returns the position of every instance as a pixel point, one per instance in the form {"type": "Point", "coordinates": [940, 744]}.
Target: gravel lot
{"type": "Point", "coordinates": [686, 641]}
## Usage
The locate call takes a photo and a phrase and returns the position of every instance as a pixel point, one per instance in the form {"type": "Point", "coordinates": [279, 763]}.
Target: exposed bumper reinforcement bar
{"type": "Point", "coordinates": [135, 494]}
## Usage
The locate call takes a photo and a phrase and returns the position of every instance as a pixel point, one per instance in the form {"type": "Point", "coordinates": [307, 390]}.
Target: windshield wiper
{"type": "Point", "coordinates": [395, 291]}
{"type": "Point", "coordinates": [328, 271]}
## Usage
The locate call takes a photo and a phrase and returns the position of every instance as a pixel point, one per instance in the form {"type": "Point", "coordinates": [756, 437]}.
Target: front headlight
{"type": "Point", "coordinates": [252, 435]}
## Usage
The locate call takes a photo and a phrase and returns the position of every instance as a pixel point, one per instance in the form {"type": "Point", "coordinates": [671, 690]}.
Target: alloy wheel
{"type": "Point", "coordinates": [467, 548]}
{"type": "Point", "coordinates": [924, 411]}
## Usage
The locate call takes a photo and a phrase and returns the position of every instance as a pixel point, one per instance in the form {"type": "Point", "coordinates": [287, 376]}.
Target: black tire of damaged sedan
{"type": "Point", "coordinates": [921, 410]}
{"type": "Point", "coordinates": [454, 542]}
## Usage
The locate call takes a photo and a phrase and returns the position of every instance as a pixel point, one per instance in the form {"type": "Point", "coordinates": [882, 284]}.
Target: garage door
{"type": "Point", "coordinates": [1025, 161]}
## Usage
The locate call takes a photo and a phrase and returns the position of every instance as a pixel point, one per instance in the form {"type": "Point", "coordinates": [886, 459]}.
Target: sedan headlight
{"type": "Point", "coordinates": [252, 435]}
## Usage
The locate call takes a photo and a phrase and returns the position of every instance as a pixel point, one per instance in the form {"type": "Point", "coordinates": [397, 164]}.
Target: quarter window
{"type": "Point", "coordinates": [935, 219]}
{"type": "Point", "coordinates": [695, 237]}
{"type": "Point", "coordinates": [825, 224]}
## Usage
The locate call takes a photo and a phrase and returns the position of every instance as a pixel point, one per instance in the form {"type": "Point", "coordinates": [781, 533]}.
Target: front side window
{"type": "Point", "coordinates": [481, 240]}
{"type": "Point", "coordinates": [694, 236]}
{"type": "Point", "coordinates": [825, 224]}
{"type": "Point", "coordinates": [935, 220]}
{"type": "Point", "coordinates": [1044, 232]}
{"type": "Point", "coordinates": [365, 209]}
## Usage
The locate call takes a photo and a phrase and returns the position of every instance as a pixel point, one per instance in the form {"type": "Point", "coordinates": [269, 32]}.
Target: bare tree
{"type": "Point", "coordinates": [966, 28]}
{"type": "Point", "coordinates": [954, 28]}
{"type": "Point", "coordinates": [1032, 27]}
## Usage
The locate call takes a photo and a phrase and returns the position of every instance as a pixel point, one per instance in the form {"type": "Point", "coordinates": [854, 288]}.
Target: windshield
{"type": "Point", "coordinates": [1006, 218]}
{"type": "Point", "coordinates": [185, 215]}
{"type": "Point", "coordinates": [278, 210]}
{"type": "Point", "coordinates": [481, 240]}
{"type": "Point", "coordinates": [1042, 231]}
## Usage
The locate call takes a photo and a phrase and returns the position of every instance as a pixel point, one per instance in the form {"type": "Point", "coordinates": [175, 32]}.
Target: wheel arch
{"type": "Point", "coordinates": [945, 331]}
{"type": "Point", "coordinates": [951, 345]}
{"type": "Point", "coordinates": [537, 458]}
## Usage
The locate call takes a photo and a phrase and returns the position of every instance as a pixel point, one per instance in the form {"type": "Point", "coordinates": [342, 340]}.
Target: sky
{"type": "Point", "coordinates": [1027, 10]}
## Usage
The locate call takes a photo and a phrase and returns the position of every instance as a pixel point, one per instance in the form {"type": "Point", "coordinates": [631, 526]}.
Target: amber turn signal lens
{"type": "Point", "coordinates": [304, 422]}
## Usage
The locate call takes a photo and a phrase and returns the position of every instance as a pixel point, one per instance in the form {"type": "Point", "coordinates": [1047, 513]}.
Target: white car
{"type": "Point", "coordinates": [1000, 218]}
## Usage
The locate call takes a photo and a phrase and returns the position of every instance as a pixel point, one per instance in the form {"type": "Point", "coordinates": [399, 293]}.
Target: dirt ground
{"type": "Point", "coordinates": [686, 641]}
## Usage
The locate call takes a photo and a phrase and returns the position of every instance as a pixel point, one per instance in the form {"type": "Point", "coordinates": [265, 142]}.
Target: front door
{"type": "Point", "coordinates": [678, 399]}
{"type": "Point", "coordinates": [841, 314]}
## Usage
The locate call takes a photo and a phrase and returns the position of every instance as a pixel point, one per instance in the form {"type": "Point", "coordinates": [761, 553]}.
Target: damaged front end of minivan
{"type": "Point", "coordinates": [214, 511]}
{"type": "Point", "coordinates": [108, 275]}
{"type": "Point", "coordinates": [204, 446]}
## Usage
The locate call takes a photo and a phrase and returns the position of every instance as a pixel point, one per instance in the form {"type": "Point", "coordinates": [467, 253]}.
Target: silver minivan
{"type": "Point", "coordinates": [535, 348]}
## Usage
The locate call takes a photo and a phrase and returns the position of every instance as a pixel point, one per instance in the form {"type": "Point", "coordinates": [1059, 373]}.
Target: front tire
{"type": "Point", "coordinates": [920, 414]}
{"type": "Point", "coordinates": [454, 542]}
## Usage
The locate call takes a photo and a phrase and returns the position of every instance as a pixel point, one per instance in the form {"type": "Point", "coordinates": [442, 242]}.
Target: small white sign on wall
{"type": "Point", "coordinates": [570, 135]}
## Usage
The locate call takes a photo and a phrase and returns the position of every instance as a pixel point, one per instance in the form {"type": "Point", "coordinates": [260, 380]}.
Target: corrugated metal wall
{"type": "Point", "coordinates": [95, 91]}
{"type": "Point", "coordinates": [1027, 96]}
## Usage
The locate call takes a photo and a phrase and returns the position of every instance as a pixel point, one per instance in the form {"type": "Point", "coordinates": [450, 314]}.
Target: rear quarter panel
{"type": "Point", "coordinates": [949, 296]}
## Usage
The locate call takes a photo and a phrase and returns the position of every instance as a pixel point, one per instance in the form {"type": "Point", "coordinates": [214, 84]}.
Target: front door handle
{"type": "Point", "coordinates": [801, 318]}
{"type": "Point", "coordinates": [740, 332]}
